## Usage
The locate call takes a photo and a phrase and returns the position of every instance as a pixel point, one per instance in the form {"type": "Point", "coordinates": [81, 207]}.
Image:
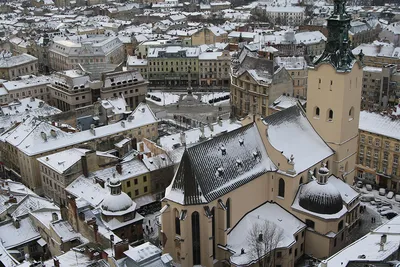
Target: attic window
{"type": "Point", "coordinates": [241, 142]}
{"type": "Point", "coordinates": [162, 157]}
{"type": "Point", "coordinates": [239, 163]}
{"type": "Point", "coordinates": [151, 161]}
{"type": "Point", "coordinates": [223, 150]}
{"type": "Point", "coordinates": [256, 155]}
{"type": "Point", "coordinates": [220, 172]}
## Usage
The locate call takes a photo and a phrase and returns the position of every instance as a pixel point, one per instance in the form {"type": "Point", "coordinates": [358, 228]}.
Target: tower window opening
{"type": "Point", "coordinates": [330, 115]}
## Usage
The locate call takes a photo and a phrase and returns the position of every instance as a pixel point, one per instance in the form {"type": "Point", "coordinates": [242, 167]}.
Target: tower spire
{"type": "Point", "coordinates": [337, 49]}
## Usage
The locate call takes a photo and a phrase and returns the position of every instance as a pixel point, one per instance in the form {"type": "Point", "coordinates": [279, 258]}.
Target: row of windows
{"type": "Point", "coordinates": [329, 113]}
{"type": "Point", "coordinates": [137, 192]}
{"type": "Point", "coordinates": [135, 181]}
{"type": "Point", "coordinates": [377, 143]}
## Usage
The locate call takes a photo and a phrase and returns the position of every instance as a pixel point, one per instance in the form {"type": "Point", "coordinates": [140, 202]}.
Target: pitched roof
{"type": "Point", "coordinates": [206, 172]}
{"type": "Point", "coordinates": [290, 131]}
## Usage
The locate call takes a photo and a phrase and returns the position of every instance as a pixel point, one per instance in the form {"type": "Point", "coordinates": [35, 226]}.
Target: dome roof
{"type": "Point", "coordinates": [117, 203]}
{"type": "Point", "coordinates": [320, 198]}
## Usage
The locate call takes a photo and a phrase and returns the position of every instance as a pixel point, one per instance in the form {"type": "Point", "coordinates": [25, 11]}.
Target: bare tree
{"type": "Point", "coordinates": [263, 239]}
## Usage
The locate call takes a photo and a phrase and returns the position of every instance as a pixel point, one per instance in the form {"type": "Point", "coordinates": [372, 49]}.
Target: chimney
{"type": "Point", "coordinates": [85, 169]}
{"type": "Point", "coordinates": [140, 156]}
{"type": "Point", "coordinates": [119, 249]}
{"type": "Point", "coordinates": [16, 223]}
{"type": "Point", "coordinates": [56, 262]}
{"type": "Point", "coordinates": [383, 242]}
{"type": "Point", "coordinates": [12, 199]}
{"type": "Point", "coordinates": [134, 143]}
{"type": "Point", "coordinates": [118, 167]}
{"type": "Point", "coordinates": [95, 231]}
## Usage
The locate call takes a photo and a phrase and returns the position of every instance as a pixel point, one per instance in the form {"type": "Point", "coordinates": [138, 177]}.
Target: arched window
{"type": "Point", "coordinates": [177, 223]}
{"type": "Point", "coordinates": [327, 164]}
{"type": "Point", "coordinates": [316, 112]}
{"type": "Point", "coordinates": [340, 225]}
{"type": "Point", "coordinates": [310, 223]}
{"type": "Point", "coordinates": [351, 113]}
{"type": "Point", "coordinates": [315, 172]}
{"type": "Point", "coordinates": [330, 114]}
{"type": "Point", "coordinates": [228, 213]}
{"type": "Point", "coordinates": [196, 238]}
{"type": "Point", "coordinates": [301, 180]}
{"type": "Point", "coordinates": [281, 191]}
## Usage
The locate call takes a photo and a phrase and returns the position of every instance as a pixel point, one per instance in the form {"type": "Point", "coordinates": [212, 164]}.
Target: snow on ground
{"type": "Point", "coordinates": [150, 221]}
{"type": "Point", "coordinates": [170, 98]}
{"type": "Point", "coordinates": [393, 202]}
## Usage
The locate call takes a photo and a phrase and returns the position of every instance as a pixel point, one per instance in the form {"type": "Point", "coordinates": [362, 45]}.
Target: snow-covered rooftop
{"type": "Point", "coordinates": [29, 139]}
{"type": "Point", "coordinates": [285, 124]}
{"type": "Point", "coordinates": [282, 220]}
{"type": "Point", "coordinates": [368, 248]}
{"type": "Point", "coordinates": [379, 124]}
{"type": "Point", "coordinates": [62, 161]}
{"type": "Point", "coordinates": [12, 237]}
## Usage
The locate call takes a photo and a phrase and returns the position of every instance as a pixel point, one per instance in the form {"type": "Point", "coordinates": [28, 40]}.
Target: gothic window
{"type": "Point", "coordinates": [177, 223]}
{"type": "Point", "coordinates": [281, 191]}
{"type": "Point", "coordinates": [351, 113]}
{"type": "Point", "coordinates": [330, 115]}
{"type": "Point", "coordinates": [228, 213]}
{"type": "Point", "coordinates": [196, 238]}
{"type": "Point", "coordinates": [316, 113]}
{"type": "Point", "coordinates": [301, 180]}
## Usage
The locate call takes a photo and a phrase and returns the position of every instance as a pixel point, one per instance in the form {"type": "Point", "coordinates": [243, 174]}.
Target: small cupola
{"type": "Point", "coordinates": [323, 174]}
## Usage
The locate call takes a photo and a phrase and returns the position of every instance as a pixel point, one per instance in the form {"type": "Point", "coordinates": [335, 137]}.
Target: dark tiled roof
{"type": "Point", "coordinates": [205, 174]}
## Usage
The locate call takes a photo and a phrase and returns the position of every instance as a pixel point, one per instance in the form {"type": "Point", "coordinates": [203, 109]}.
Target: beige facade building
{"type": "Point", "coordinates": [209, 35]}
{"type": "Point", "coordinates": [85, 50]}
{"type": "Point", "coordinates": [73, 88]}
{"type": "Point", "coordinates": [214, 68]}
{"type": "Point", "coordinates": [379, 150]}
{"type": "Point", "coordinates": [28, 87]}
{"type": "Point", "coordinates": [254, 83]}
{"type": "Point", "coordinates": [206, 220]}
{"type": "Point", "coordinates": [297, 68]}
{"type": "Point", "coordinates": [380, 87]}
{"type": "Point", "coordinates": [32, 139]}
{"type": "Point", "coordinates": [16, 66]}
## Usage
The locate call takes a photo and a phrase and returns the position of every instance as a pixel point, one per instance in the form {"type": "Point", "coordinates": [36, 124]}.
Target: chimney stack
{"type": "Point", "coordinates": [56, 262]}
{"type": "Point", "coordinates": [16, 223]}
{"type": "Point", "coordinates": [134, 143]}
{"type": "Point", "coordinates": [85, 168]}
{"type": "Point", "coordinates": [383, 242]}
{"type": "Point", "coordinates": [118, 167]}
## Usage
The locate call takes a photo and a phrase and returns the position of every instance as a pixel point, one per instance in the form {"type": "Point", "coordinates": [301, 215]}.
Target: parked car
{"type": "Point", "coordinates": [384, 208]}
{"type": "Point", "coordinates": [367, 197]}
{"type": "Point", "coordinates": [382, 191]}
{"type": "Point", "coordinates": [390, 195]}
{"type": "Point", "coordinates": [369, 187]}
{"type": "Point", "coordinates": [390, 214]}
{"type": "Point", "coordinates": [383, 204]}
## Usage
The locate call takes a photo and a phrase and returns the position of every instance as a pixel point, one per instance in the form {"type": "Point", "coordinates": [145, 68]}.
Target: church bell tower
{"type": "Point", "coordinates": [334, 94]}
